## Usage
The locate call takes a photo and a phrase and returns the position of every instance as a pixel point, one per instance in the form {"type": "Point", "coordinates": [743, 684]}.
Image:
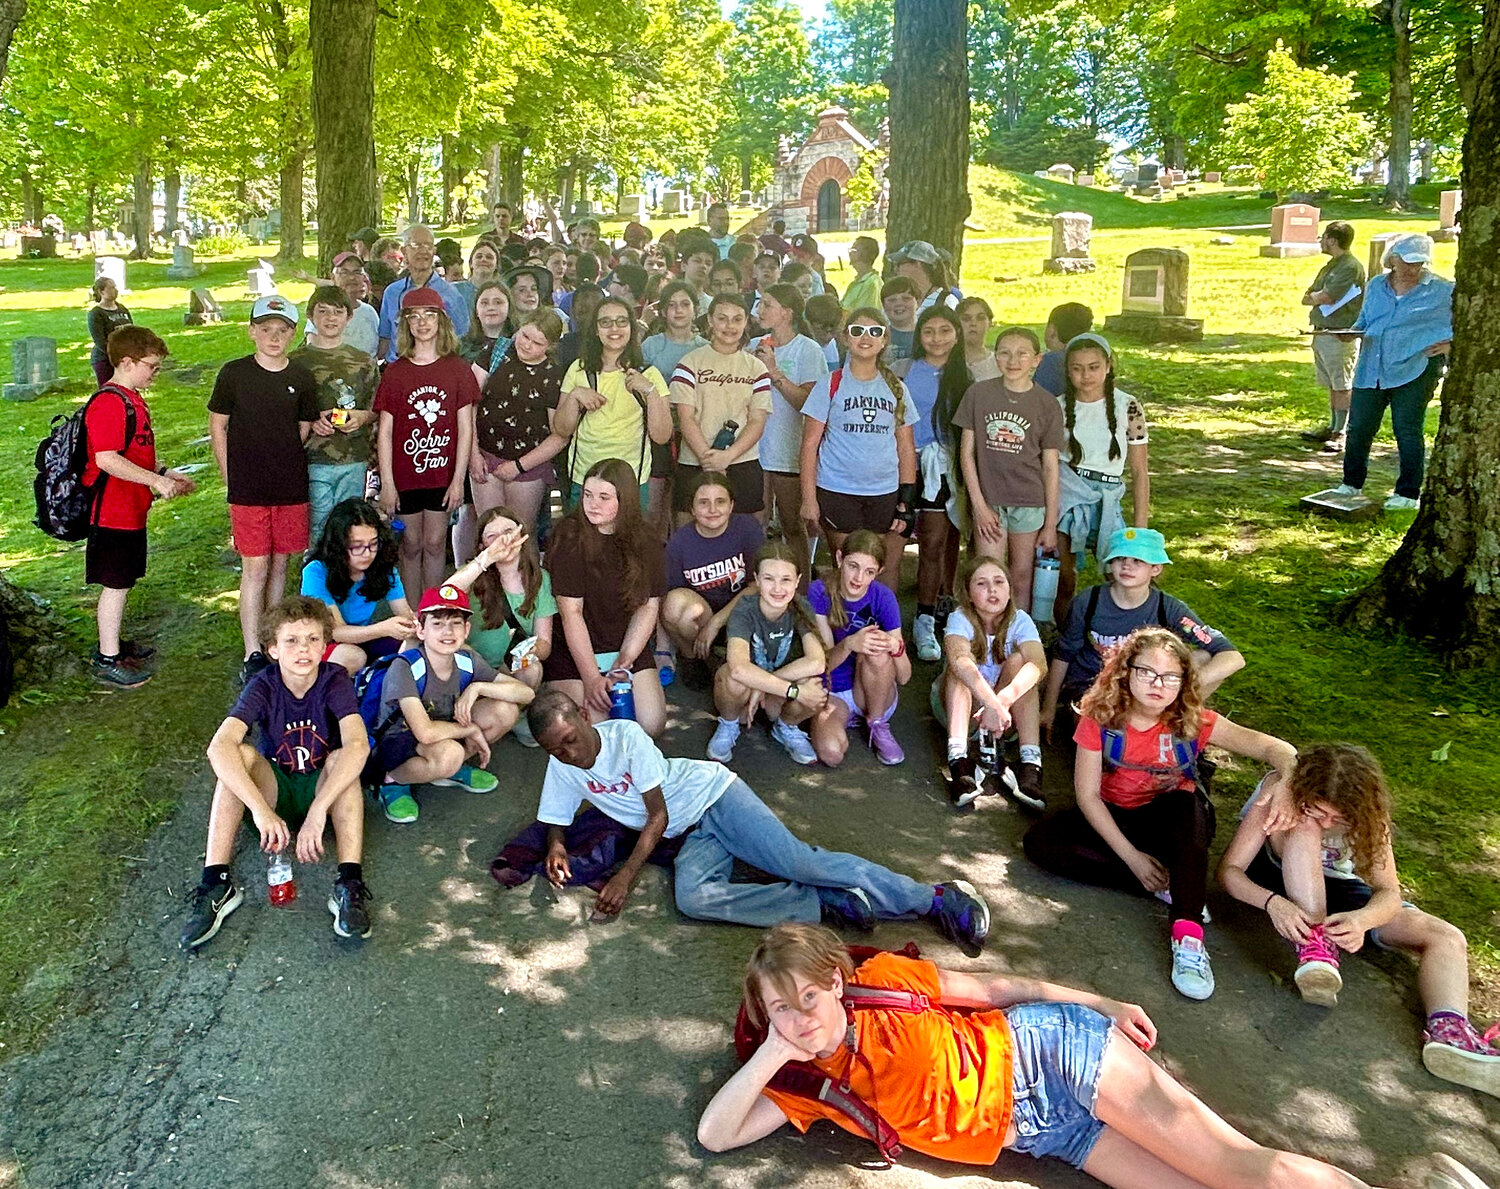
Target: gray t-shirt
{"type": "Point", "coordinates": [771, 641]}
{"type": "Point", "coordinates": [437, 696]}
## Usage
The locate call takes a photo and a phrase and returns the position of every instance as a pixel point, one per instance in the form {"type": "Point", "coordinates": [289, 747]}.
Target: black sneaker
{"type": "Point", "coordinates": [961, 915]}
{"type": "Point", "coordinates": [849, 908]}
{"type": "Point", "coordinates": [209, 907]}
{"type": "Point", "coordinates": [1028, 787]}
{"type": "Point", "coordinates": [117, 671]}
{"type": "Point", "coordinates": [255, 663]}
{"type": "Point", "coordinates": [964, 781]}
{"type": "Point", "coordinates": [1321, 434]}
{"type": "Point", "coordinates": [349, 903]}
{"type": "Point", "coordinates": [134, 650]}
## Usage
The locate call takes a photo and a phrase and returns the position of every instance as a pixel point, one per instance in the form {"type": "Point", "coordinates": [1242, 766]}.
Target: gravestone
{"type": "Point", "coordinates": [1213, 175]}
{"type": "Point", "coordinates": [1130, 177]}
{"type": "Point", "coordinates": [1145, 177]}
{"type": "Point", "coordinates": [112, 267]}
{"type": "Point", "coordinates": [1164, 179]}
{"type": "Point", "coordinates": [1294, 231]}
{"type": "Point", "coordinates": [259, 230]}
{"type": "Point", "coordinates": [1378, 245]}
{"type": "Point", "coordinates": [745, 198]}
{"type": "Point", "coordinates": [1084, 179]}
{"type": "Point", "coordinates": [1154, 304]}
{"type": "Point", "coordinates": [1178, 176]}
{"type": "Point", "coordinates": [203, 309]}
{"type": "Point", "coordinates": [33, 362]}
{"type": "Point", "coordinates": [100, 242]}
{"type": "Point", "coordinates": [9, 239]}
{"type": "Point", "coordinates": [1071, 231]}
{"type": "Point", "coordinates": [632, 206]}
{"type": "Point", "coordinates": [1332, 503]}
{"type": "Point", "coordinates": [671, 202]}
{"type": "Point", "coordinates": [180, 236]}
{"type": "Point", "coordinates": [38, 247]}
{"type": "Point", "coordinates": [1061, 172]}
{"type": "Point", "coordinates": [182, 263]}
{"type": "Point", "coordinates": [80, 242]}
{"type": "Point", "coordinates": [261, 282]}
{"type": "Point", "coordinates": [1450, 202]}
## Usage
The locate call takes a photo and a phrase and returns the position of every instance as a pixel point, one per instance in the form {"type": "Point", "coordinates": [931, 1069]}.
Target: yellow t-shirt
{"type": "Point", "coordinates": [617, 430]}
{"type": "Point", "coordinates": [721, 388]}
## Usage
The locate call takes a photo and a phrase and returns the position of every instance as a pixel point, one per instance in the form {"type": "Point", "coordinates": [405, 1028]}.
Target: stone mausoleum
{"type": "Point", "coordinates": [811, 189]}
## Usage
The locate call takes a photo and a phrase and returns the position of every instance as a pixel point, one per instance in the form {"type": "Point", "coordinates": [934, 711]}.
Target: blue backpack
{"type": "Point", "coordinates": [370, 684]}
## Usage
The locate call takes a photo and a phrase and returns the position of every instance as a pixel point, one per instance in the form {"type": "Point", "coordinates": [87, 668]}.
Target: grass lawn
{"type": "Point", "coordinates": [86, 774]}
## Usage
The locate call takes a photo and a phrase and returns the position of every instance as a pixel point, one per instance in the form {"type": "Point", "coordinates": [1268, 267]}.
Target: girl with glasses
{"type": "Point", "coordinates": [1143, 822]}
{"type": "Point", "coordinates": [353, 570]}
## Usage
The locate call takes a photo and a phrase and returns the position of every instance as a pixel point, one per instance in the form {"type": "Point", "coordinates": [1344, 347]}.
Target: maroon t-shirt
{"type": "Point", "coordinates": [424, 400]}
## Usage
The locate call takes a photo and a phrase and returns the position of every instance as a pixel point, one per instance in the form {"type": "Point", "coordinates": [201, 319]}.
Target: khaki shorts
{"type": "Point", "coordinates": [1333, 358]}
{"type": "Point", "coordinates": [1020, 518]}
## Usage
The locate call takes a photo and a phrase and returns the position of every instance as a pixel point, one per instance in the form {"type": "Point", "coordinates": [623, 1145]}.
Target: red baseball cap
{"type": "Point", "coordinates": [344, 257]}
{"type": "Point", "coordinates": [446, 597]}
{"type": "Point", "coordinates": [423, 298]}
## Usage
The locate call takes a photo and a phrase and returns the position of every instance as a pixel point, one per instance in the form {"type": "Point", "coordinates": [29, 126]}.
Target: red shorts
{"type": "Point", "coordinates": [260, 532]}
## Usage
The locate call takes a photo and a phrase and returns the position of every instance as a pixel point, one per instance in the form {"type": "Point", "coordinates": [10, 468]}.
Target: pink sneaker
{"type": "Point", "coordinates": [1317, 974]}
{"type": "Point", "coordinates": [1454, 1051]}
{"type": "Point", "coordinates": [884, 744]}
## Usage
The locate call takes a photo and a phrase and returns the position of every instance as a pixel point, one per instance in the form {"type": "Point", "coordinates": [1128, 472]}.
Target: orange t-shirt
{"type": "Point", "coordinates": [942, 1078]}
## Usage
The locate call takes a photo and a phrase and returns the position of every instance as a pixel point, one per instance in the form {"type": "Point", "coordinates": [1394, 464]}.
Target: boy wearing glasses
{"type": "Point", "coordinates": [1103, 616]}
{"type": "Point", "coordinates": [122, 459]}
{"type": "Point", "coordinates": [260, 415]}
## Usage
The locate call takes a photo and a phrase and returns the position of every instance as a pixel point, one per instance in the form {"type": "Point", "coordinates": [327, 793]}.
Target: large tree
{"type": "Point", "coordinates": [342, 35]}
{"type": "Point", "coordinates": [11, 12]}
{"type": "Point", "coordinates": [929, 157]}
{"type": "Point", "coordinates": [1443, 582]}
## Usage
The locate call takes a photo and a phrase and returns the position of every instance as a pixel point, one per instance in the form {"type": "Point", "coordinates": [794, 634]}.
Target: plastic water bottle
{"type": "Point", "coordinates": [1044, 588]}
{"type": "Point", "coordinates": [989, 750]}
{"type": "Point", "coordinates": [725, 437]}
{"type": "Point", "coordinates": [621, 694]}
{"type": "Point", "coordinates": [280, 879]}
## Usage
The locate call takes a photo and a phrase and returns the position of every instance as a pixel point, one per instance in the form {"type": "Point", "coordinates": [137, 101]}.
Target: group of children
{"type": "Point", "coordinates": [320, 445]}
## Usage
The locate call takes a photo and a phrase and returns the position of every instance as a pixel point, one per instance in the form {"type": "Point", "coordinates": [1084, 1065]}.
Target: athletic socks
{"type": "Point", "coordinates": [957, 749]}
{"type": "Point", "coordinates": [351, 871]}
{"type": "Point", "coordinates": [214, 874]}
{"type": "Point", "coordinates": [1340, 420]}
{"type": "Point", "coordinates": [1031, 753]}
{"type": "Point", "coordinates": [1182, 928]}
{"type": "Point", "coordinates": [927, 609]}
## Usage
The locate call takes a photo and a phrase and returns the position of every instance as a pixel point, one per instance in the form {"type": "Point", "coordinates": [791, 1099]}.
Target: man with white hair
{"type": "Point", "coordinates": [420, 254]}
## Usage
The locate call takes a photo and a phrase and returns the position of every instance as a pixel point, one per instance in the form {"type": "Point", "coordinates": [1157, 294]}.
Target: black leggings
{"type": "Point", "coordinates": [1174, 828]}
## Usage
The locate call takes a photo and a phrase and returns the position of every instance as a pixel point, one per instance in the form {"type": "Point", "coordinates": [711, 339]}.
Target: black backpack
{"type": "Point", "coordinates": [64, 504]}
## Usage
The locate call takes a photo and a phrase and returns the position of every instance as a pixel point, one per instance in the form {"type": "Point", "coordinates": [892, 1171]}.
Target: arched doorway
{"type": "Point", "coordinates": [830, 207]}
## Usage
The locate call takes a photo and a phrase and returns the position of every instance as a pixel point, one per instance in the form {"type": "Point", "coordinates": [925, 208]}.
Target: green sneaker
{"type": "Point", "coordinates": [400, 805]}
{"type": "Point", "coordinates": [476, 780]}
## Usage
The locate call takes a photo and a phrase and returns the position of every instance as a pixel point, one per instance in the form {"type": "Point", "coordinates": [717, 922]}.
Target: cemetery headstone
{"type": "Point", "coordinates": [1071, 231]}
{"type": "Point", "coordinates": [633, 206]}
{"type": "Point", "coordinates": [1154, 304]}
{"type": "Point", "coordinates": [261, 281]}
{"type": "Point", "coordinates": [9, 239]}
{"type": "Point", "coordinates": [1450, 202]}
{"type": "Point", "coordinates": [38, 247]}
{"type": "Point", "coordinates": [80, 242]}
{"type": "Point", "coordinates": [1336, 506]}
{"type": "Point", "coordinates": [671, 202]}
{"type": "Point", "coordinates": [1145, 177]}
{"type": "Point", "coordinates": [1061, 172]}
{"type": "Point", "coordinates": [1378, 245]}
{"type": "Point", "coordinates": [1213, 175]}
{"type": "Point", "coordinates": [203, 309]}
{"type": "Point", "coordinates": [1084, 179]}
{"type": "Point", "coordinates": [1294, 231]}
{"type": "Point", "coordinates": [182, 263]}
{"type": "Point", "coordinates": [112, 267]}
{"type": "Point", "coordinates": [180, 236]}
{"type": "Point", "coordinates": [1130, 177]}
{"type": "Point", "coordinates": [745, 198]}
{"type": "Point", "coordinates": [33, 363]}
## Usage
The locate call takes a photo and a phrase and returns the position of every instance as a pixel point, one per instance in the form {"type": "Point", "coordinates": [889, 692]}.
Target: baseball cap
{"type": "Point", "coordinates": [1143, 544]}
{"type": "Point", "coordinates": [366, 235]}
{"type": "Point", "coordinates": [446, 597]}
{"type": "Point", "coordinates": [804, 243]}
{"type": "Point", "coordinates": [274, 306]}
{"type": "Point", "coordinates": [424, 297]}
{"type": "Point", "coordinates": [1414, 249]}
{"type": "Point", "coordinates": [348, 258]}
{"type": "Point", "coordinates": [917, 249]}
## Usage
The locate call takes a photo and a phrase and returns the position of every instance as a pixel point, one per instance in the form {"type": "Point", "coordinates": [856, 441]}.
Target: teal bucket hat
{"type": "Point", "coordinates": [1143, 544]}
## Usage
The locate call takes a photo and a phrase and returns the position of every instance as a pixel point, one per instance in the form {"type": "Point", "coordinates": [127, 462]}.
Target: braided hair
{"type": "Point", "coordinates": [1070, 400]}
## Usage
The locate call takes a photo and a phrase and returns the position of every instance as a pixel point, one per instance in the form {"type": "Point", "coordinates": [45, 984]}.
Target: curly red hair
{"type": "Point", "coordinates": [1108, 700]}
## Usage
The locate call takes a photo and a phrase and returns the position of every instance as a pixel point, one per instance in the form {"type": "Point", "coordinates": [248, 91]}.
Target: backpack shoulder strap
{"type": "Point", "coordinates": [835, 378]}
{"type": "Point", "coordinates": [1114, 746]}
{"type": "Point", "coordinates": [463, 661]}
{"type": "Point", "coordinates": [418, 664]}
{"type": "Point", "coordinates": [1089, 610]}
{"type": "Point", "coordinates": [806, 1081]}
{"type": "Point", "coordinates": [1161, 609]}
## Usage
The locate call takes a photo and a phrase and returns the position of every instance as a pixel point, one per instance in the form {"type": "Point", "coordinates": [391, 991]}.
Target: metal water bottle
{"type": "Point", "coordinates": [989, 750]}
{"type": "Point", "coordinates": [1044, 587]}
{"type": "Point", "coordinates": [621, 694]}
{"type": "Point", "coordinates": [725, 437]}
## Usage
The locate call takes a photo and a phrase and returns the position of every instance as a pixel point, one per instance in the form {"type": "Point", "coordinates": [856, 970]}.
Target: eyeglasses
{"type": "Point", "coordinates": [1152, 677]}
{"type": "Point", "coordinates": [370, 547]}
{"type": "Point", "coordinates": [875, 332]}
{"type": "Point", "coordinates": [421, 315]}
{"type": "Point", "coordinates": [613, 323]}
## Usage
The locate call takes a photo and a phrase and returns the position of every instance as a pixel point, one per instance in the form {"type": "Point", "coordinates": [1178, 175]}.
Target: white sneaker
{"type": "Point", "coordinates": [1401, 503]}
{"type": "Point", "coordinates": [924, 634]}
{"type": "Point", "coordinates": [1448, 1173]}
{"type": "Point", "coordinates": [726, 735]}
{"type": "Point", "coordinates": [797, 744]}
{"type": "Point", "coordinates": [1191, 973]}
{"type": "Point", "coordinates": [1345, 489]}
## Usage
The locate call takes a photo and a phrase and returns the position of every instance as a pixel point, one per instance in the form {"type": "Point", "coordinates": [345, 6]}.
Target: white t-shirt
{"type": "Point", "coordinates": [629, 764]}
{"type": "Point", "coordinates": [1091, 428]}
{"type": "Point", "coordinates": [1022, 628]}
{"type": "Point", "coordinates": [802, 362]}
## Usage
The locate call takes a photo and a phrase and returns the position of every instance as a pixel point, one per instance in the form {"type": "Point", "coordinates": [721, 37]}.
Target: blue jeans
{"type": "Point", "coordinates": [1408, 404]}
{"type": "Point", "coordinates": [739, 825]}
{"type": "Point", "coordinates": [330, 483]}
{"type": "Point", "coordinates": [1058, 1057]}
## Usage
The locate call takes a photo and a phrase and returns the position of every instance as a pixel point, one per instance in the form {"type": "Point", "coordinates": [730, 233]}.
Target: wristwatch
{"type": "Point", "coordinates": [791, 692]}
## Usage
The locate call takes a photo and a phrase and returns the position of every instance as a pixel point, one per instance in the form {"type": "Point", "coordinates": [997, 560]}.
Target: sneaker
{"type": "Point", "coordinates": [1345, 489]}
{"type": "Point", "coordinates": [349, 903]}
{"type": "Point", "coordinates": [961, 915]}
{"type": "Point", "coordinates": [848, 908]}
{"type": "Point", "coordinates": [924, 635]}
{"type": "Point", "coordinates": [1454, 1051]}
{"type": "Point", "coordinates": [884, 744]}
{"type": "Point", "coordinates": [134, 650]}
{"type": "Point", "coordinates": [117, 671]}
{"type": "Point", "coordinates": [253, 664]}
{"type": "Point", "coordinates": [797, 744]}
{"type": "Point", "coordinates": [1334, 445]}
{"type": "Point", "coordinates": [1321, 434]}
{"type": "Point", "coordinates": [1401, 503]}
{"type": "Point", "coordinates": [522, 732]}
{"type": "Point", "coordinates": [964, 781]}
{"type": "Point", "coordinates": [475, 780]}
{"type": "Point", "coordinates": [946, 606]}
{"type": "Point", "coordinates": [1448, 1173]}
{"type": "Point", "coordinates": [1191, 973]}
{"type": "Point", "coordinates": [1028, 786]}
{"type": "Point", "coordinates": [208, 908]}
{"type": "Point", "coordinates": [400, 805]}
{"type": "Point", "coordinates": [1317, 974]}
{"type": "Point", "coordinates": [726, 735]}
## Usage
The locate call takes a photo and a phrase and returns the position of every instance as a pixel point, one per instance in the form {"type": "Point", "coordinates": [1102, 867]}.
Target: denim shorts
{"type": "Point", "coordinates": [1059, 1054]}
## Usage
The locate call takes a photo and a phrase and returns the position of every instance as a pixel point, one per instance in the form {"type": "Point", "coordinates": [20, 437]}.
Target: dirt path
{"type": "Point", "coordinates": [484, 1037]}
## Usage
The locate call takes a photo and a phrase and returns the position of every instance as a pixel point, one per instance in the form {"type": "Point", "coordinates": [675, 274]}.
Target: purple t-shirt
{"type": "Point", "coordinates": [878, 607]}
{"type": "Point", "coordinates": [716, 567]}
{"type": "Point", "coordinates": [296, 734]}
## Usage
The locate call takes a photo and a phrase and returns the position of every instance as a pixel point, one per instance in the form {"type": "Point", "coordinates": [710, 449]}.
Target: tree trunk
{"type": "Point", "coordinates": [144, 216]}
{"type": "Point", "coordinates": [91, 198]}
{"type": "Point", "coordinates": [37, 641]}
{"type": "Point", "coordinates": [449, 180]}
{"type": "Point", "coordinates": [929, 106]}
{"type": "Point", "coordinates": [28, 195]}
{"type": "Point", "coordinates": [414, 191]}
{"type": "Point", "coordinates": [292, 234]}
{"type": "Point", "coordinates": [11, 12]}
{"type": "Point", "coordinates": [1443, 583]}
{"type": "Point", "coordinates": [565, 188]}
{"type": "Point", "coordinates": [342, 36]}
{"type": "Point", "coordinates": [172, 185]}
{"type": "Point", "coordinates": [494, 188]}
{"type": "Point", "coordinates": [1398, 179]}
{"type": "Point", "coordinates": [512, 161]}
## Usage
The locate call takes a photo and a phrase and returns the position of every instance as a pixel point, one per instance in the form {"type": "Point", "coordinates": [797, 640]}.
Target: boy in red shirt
{"type": "Point", "coordinates": [128, 478]}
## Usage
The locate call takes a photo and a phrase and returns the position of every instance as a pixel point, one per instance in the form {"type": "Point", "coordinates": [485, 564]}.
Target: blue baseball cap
{"type": "Point", "coordinates": [1143, 544]}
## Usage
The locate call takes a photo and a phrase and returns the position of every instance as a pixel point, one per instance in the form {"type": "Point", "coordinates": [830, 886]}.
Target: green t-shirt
{"type": "Point", "coordinates": [1336, 278]}
{"type": "Point", "coordinates": [491, 642]}
{"type": "Point", "coordinates": [347, 378]}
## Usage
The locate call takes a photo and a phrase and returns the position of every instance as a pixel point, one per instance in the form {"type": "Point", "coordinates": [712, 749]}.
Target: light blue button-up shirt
{"type": "Point", "coordinates": [1397, 329]}
{"type": "Point", "coordinates": [390, 308]}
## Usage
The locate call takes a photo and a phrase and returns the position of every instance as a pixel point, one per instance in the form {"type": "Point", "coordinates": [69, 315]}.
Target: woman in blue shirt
{"type": "Point", "coordinates": [1405, 330]}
